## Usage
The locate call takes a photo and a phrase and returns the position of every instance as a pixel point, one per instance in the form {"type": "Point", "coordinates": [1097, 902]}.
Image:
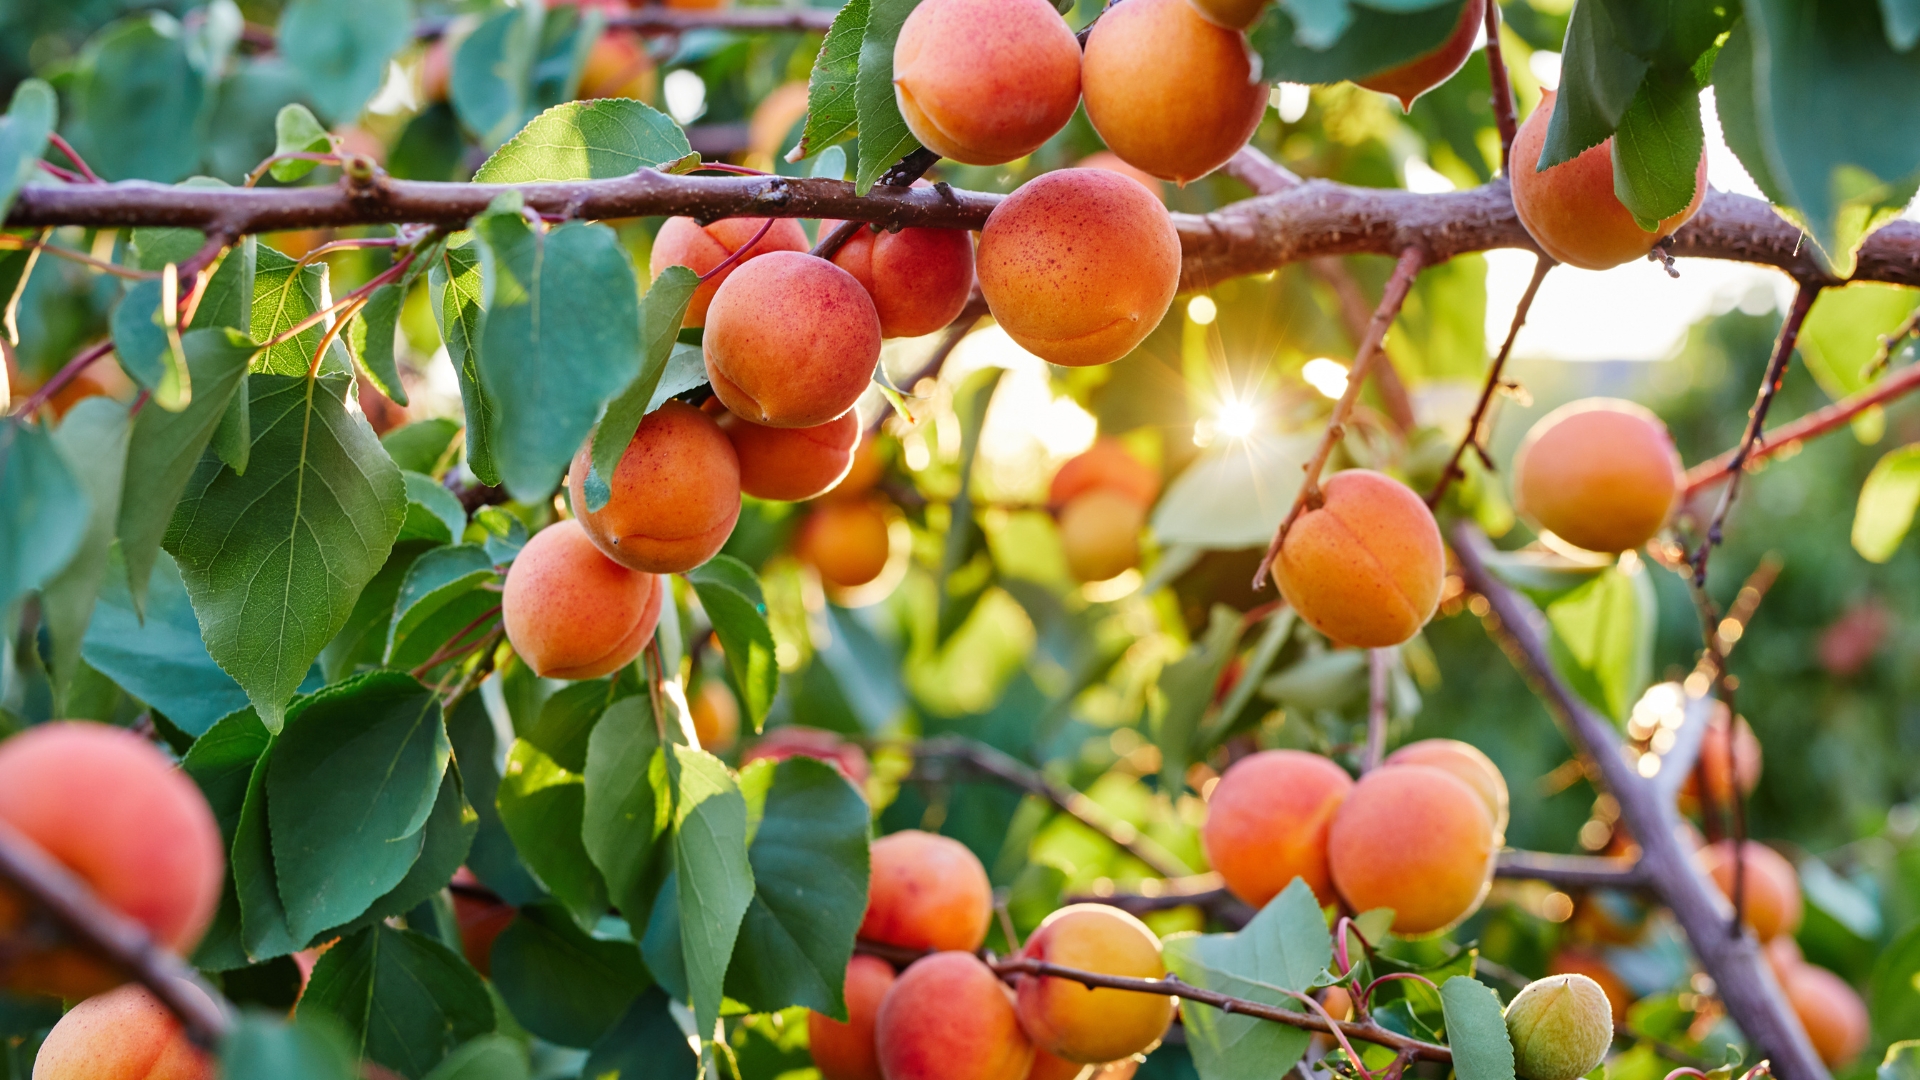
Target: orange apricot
{"type": "Point", "coordinates": [1100, 534]}
{"type": "Point", "coordinates": [781, 743]}
{"type": "Point", "coordinates": [919, 278]}
{"type": "Point", "coordinates": [1337, 1001]}
{"type": "Point", "coordinates": [845, 1050]}
{"type": "Point", "coordinates": [1720, 772]}
{"type": "Point", "coordinates": [1421, 74]}
{"type": "Point", "coordinates": [1113, 163]}
{"type": "Point", "coordinates": [791, 340]}
{"type": "Point", "coordinates": [1106, 464]}
{"type": "Point", "coordinates": [1267, 822]}
{"type": "Point", "coordinates": [716, 715]}
{"type": "Point", "coordinates": [1769, 886]}
{"type": "Point", "coordinates": [1364, 568]}
{"type": "Point", "coordinates": [1469, 764]}
{"type": "Point", "coordinates": [1571, 211]}
{"type": "Point", "coordinates": [1231, 14]}
{"type": "Point", "coordinates": [1830, 1010]}
{"type": "Point", "coordinates": [1415, 839]}
{"type": "Point", "coordinates": [1783, 956]}
{"type": "Point", "coordinates": [1574, 960]}
{"type": "Point", "coordinates": [617, 66]}
{"type": "Point", "coordinates": [1079, 265]}
{"type": "Point", "coordinates": [949, 1017]}
{"type": "Point", "coordinates": [848, 543]}
{"type": "Point", "coordinates": [1080, 1023]}
{"type": "Point", "coordinates": [125, 1034]}
{"type": "Point", "coordinates": [773, 119]}
{"type": "Point", "coordinates": [1049, 1067]}
{"type": "Point", "coordinates": [112, 808]}
{"type": "Point", "coordinates": [1601, 474]}
{"type": "Point", "coordinates": [1170, 92]}
{"type": "Point", "coordinates": [700, 248]}
{"type": "Point", "coordinates": [1010, 89]}
{"type": "Point", "coordinates": [790, 464]}
{"type": "Point", "coordinates": [573, 613]}
{"type": "Point", "coordinates": [481, 916]}
{"type": "Point", "coordinates": [676, 493]}
{"type": "Point", "coordinates": [926, 891]}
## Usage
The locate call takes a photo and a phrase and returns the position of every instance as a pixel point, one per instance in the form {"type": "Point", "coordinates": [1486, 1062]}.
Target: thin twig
{"type": "Point", "coordinates": [1504, 116]}
{"type": "Point", "coordinates": [16, 244]}
{"type": "Point", "coordinates": [1475, 437]}
{"type": "Point", "coordinates": [1814, 424]}
{"type": "Point", "coordinates": [956, 331]}
{"type": "Point", "coordinates": [67, 373]}
{"type": "Point", "coordinates": [73, 155]}
{"type": "Point", "coordinates": [1890, 344]}
{"type": "Point", "coordinates": [902, 175]}
{"type": "Point", "coordinates": [1357, 314]}
{"type": "Point", "coordinates": [736, 254]}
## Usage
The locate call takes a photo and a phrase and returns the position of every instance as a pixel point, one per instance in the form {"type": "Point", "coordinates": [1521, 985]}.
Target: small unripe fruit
{"type": "Point", "coordinates": [1601, 474]}
{"type": "Point", "coordinates": [1365, 568]}
{"type": "Point", "coordinates": [848, 543]}
{"type": "Point", "coordinates": [1008, 90]}
{"type": "Point", "coordinates": [1231, 14]}
{"type": "Point", "coordinates": [1714, 759]}
{"type": "Point", "coordinates": [791, 341]}
{"type": "Point", "coordinates": [700, 248]}
{"type": "Point", "coordinates": [1830, 1010]}
{"type": "Point", "coordinates": [1267, 823]}
{"type": "Point", "coordinates": [1414, 839]}
{"type": "Point", "coordinates": [919, 278]}
{"type": "Point", "coordinates": [790, 464]}
{"type": "Point", "coordinates": [1577, 961]}
{"type": "Point", "coordinates": [1168, 91]}
{"type": "Point", "coordinates": [1421, 74]}
{"type": "Point", "coordinates": [571, 612]}
{"type": "Point", "coordinates": [1468, 764]}
{"type": "Point", "coordinates": [781, 743]}
{"type": "Point", "coordinates": [1769, 886]}
{"type": "Point", "coordinates": [125, 1034]}
{"type": "Point", "coordinates": [716, 716]}
{"type": "Point", "coordinates": [926, 892]}
{"type": "Point", "coordinates": [949, 1017]}
{"type": "Point", "coordinates": [1084, 1024]}
{"type": "Point", "coordinates": [1571, 210]}
{"type": "Point", "coordinates": [1106, 464]}
{"type": "Point", "coordinates": [846, 1051]}
{"type": "Point", "coordinates": [1078, 266]}
{"type": "Point", "coordinates": [1100, 534]}
{"type": "Point", "coordinates": [675, 493]}
{"type": "Point", "coordinates": [1561, 1027]}
{"type": "Point", "coordinates": [617, 66]}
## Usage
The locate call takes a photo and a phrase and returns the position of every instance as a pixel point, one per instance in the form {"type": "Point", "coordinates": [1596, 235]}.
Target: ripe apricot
{"type": "Point", "coordinates": [1231, 14]}
{"type": "Point", "coordinates": [700, 248]}
{"type": "Point", "coordinates": [716, 715]}
{"type": "Point", "coordinates": [1574, 960]}
{"type": "Point", "coordinates": [1601, 474]}
{"type": "Point", "coordinates": [124, 1034]}
{"type": "Point", "coordinates": [919, 278]}
{"type": "Point", "coordinates": [862, 475]}
{"type": "Point", "coordinates": [1106, 464]}
{"type": "Point", "coordinates": [1469, 764]}
{"type": "Point", "coordinates": [1080, 1023]}
{"type": "Point", "coordinates": [1830, 1010]}
{"type": "Point", "coordinates": [1721, 772]}
{"type": "Point", "coordinates": [1783, 955]}
{"type": "Point", "coordinates": [1560, 1027]}
{"type": "Point", "coordinates": [112, 808]}
{"type": "Point", "coordinates": [1100, 534]}
{"type": "Point", "coordinates": [949, 1017]}
{"type": "Point", "coordinates": [848, 543]}
{"type": "Point", "coordinates": [481, 916]}
{"type": "Point", "coordinates": [573, 613]}
{"type": "Point", "coordinates": [845, 1051]}
{"type": "Point", "coordinates": [1365, 568]}
{"type": "Point", "coordinates": [617, 66]}
{"type": "Point", "coordinates": [791, 464]}
{"type": "Point", "coordinates": [1770, 887]}
{"type": "Point", "coordinates": [1079, 265]}
{"type": "Point", "coordinates": [1170, 92]}
{"type": "Point", "coordinates": [1014, 84]}
{"type": "Point", "coordinates": [1267, 822]}
{"type": "Point", "coordinates": [1415, 839]}
{"type": "Point", "coordinates": [1112, 162]}
{"type": "Point", "coordinates": [1049, 1067]}
{"type": "Point", "coordinates": [1424, 72]}
{"type": "Point", "coordinates": [926, 891]}
{"type": "Point", "coordinates": [676, 493]}
{"type": "Point", "coordinates": [774, 118]}
{"type": "Point", "coordinates": [1571, 211]}
{"type": "Point", "coordinates": [782, 743]}
{"type": "Point", "coordinates": [791, 340]}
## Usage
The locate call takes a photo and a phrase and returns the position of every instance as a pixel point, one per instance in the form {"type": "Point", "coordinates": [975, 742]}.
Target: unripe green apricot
{"type": "Point", "coordinates": [1561, 1027]}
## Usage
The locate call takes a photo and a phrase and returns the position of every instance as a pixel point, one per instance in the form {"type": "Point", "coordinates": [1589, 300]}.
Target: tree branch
{"type": "Point", "coordinates": [1814, 424]}
{"type": "Point", "coordinates": [1571, 871]}
{"type": "Point", "coordinates": [1503, 112]}
{"type": "Point", "coordinates": [1474, 437]}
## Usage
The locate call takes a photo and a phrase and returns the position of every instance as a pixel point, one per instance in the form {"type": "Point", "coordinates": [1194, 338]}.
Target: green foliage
{"type": "Point", "coordinates": [832, 109]}
{"type": "Point", "coordinates": [1887, 502]}
{"type": "Point", "coordinates": [1476, 1032]}
{"type": "Point", "coordinates": [23, 136]}
{"type": "Point", "coordinates": [405, 999]}
{"type": "Point", "coordinates": [1323, 42]}
{"type": "Point", "coordinates": [340, 48]}
{"type": "Point", "coordinates": [731, 597]}
{"type": "Point", "coordinates": [590, 140]}
{"type": "Point", "coordinates": [884, 138]}
{"type": "Point", "coordinates": [1286, 946]}
{"type": "Point", "coordinates": [661, 311]}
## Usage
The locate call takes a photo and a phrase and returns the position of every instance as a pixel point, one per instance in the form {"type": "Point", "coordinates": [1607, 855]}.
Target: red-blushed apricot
{"type": "Point", "coordinates": [1769, 885]}
{"type": "Point", "coordinates": [1048, 1067]}
{"type": "Point", "coordinates": [1783, 955]}
{"type": "Point", "coordinates": [124, 1034]}
{"type": "Point", "coordinates": [1469, 764]}
{"type": "Point", "coordinates": [1720, 771]}
{"type": "Point", "coordinates": [847, 542]}
{"type": "Point", "coordinates": [1600, 473]}
{"type": "Point", "coordinates": [481, 916]}
{"type": "Point", "coordinates": [1267, 822]}
{"type": "Point", "coordinates": [1574, 960]}
{"type": "Point", "coordinates": [1100, 534]}
{"type": "Point", "coordinates": [1365, 568]}
{"type": "Point", "coordinates": [675, 494]}
{"type": "Point", "coordinates": [1830, 1010]}
{"type": "Point", "coordinates": [617, 66]}
{"type": "Point", "coordinates": [685, 242]}
{"type": "Point", "coordinates": [1170, 92]}
{"type": "Point", "coordinates": [949, 1017]}
{"type": "Point", "coordinates": [845, 1051]}
{"type": "Point", "coordinates": [1231, 14]}
{"type": "Point", "coordinates": [1013, 84]}
{"type": "Point", "coordinates": [1106, 464]}
{"type": "Point", "coordinates": [112, 808]}
{"type": "Point", "coordinates": [781, 743]}
{"type": "Point", "coordinates": [919, 278]}
{"type": "Point", "coordinates": [1079, 265]}
{"type": "Point", "coordinates": [1421, 74]}
{"type": "Point", "coordinates": [791, 340]}
{"type": "Point", "coordinates": [573, 613]}
{"type": "Point", "coordinates": [716, 715]}
{"type": "Point", "coordinates": [1415, 839]}
{"type": "Point", "coordinates": [790, 464]}
{"type": "Point", "coordinates": [1113, 163]}
{"type": "Point", "coordinates": [1080, 1023]}
{"type": "Point", "coordinates": [926, 891]}
{"type": "Point", "coordinates": [1571, 211]}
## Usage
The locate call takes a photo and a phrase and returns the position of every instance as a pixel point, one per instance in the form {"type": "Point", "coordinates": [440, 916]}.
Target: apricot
{"type": "Point", "coordinates": [773, 119]}
{"type": "Point", "coordinates": [862, 475]}
{"type": "Point", "coordinates": [1112, 162]}
{"type": "Point", "coordinates": [949, 1017]}
{"type": "Point", "coordinates": [1365, 568]}
{"type": "Point", "coordinates": [1170, 92]}
{"type": "Point", "coordinates": [1231, 14]}
{"type": "Point", "coordinates": [791, 340]}
{"type": "Point", "coordinates": [112, 808]}
{"type": "Point", "coordinates": [1721, 773]}
{"type": "Point", "coordinates": [1415, 839]}
{"type": "Point", "coordinates": [675, 493]}
{"type": "Point", "coordinates": [1601, 474]}
{"type": "Point", "coordinates": [926, 891]}
{"type": "Point", "coordinates": [845, 1050]}
{"type": "Point", "coordinates": [685, 242]}
{"type": "Point", "coordinates": [481, 916]}
{"type": "Point", "coordinates": [1770, 887]}
{"type": "Point", "coordinates": [1560, 1027]}
{"type": "Point", "coordinates": [716, 716]}
{"type": "Point", "coordinates": [1100, 534]}
{"type": "Point", "coordinates": [1048, 1067]}
{"type": "Point", "coordinates": [782, 743]}
{"type": "Point", "coordinates": [790, 464]}
{"type": "Point", "coordinates": [1013, 85]}
{"type": "Point", "coordinates": [847, 543]}
{"type": "Point", "coordinates": [617, 66]}
{"type": "Point", "coordinates": [436, 71]}
{"type": "Point", "coordinates": [1830, 1010]}
{"type": "Point", "coordinates": [1574, 960]}
{"type": "Point", "coordinates": [1337, 1001]}
{"type": "Point", "coordinates": [571, 612]}
{"type": "Point", "coordinates": [1106, 464]}
{"type": "Point", "coordinates": [1079, 265]}
{"type": "Point", "coordinates": [1080, 1023]}
{"type": "Point", "coordinates": [1571, 211]}
{"type": "Point", "coordinates": [1466, 762]}
{"type": "Point", "coordinates": [919, 279]}
{"type": "Point", "coordinates": [1267, 822]}
{"type": "Point", "coordinates": [124, 1034]}
{"type": "Point", "coordinates": [1783, 956]}
{"type": "Point", "coordinates": [1428, 70]}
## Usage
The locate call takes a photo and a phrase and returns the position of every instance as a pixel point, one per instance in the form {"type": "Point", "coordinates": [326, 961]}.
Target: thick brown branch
{"type": "Point", "coordinates": [1571, 871]}
{"type": "Point", "coordinates": [1475, 437]}
{"type": "Point", "coordinates": [1814, 424]}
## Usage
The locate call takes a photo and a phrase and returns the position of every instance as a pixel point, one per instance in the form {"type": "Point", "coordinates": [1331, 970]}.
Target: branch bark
{"type": "Point", "coordinates": [1571, 871]}
{"type": "Point", "coordinates": [1814, 424]}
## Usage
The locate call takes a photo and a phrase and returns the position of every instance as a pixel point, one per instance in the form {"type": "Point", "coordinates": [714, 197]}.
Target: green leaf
{"type": "Point", "coordinates": [1735, 102]}
{"type": "Point", "coordinates": [590, 140]}
{"type": "Point", "coordinates": [561, 336]}
{"type": "Point", "coordinates": [661, 312]}
{"type": "Point", "coordinates": [627, 808]}
{"type": "Point", "coordinates": [23, 136]}
{"type": "Point", "coordinates": [453, 286]}
{"type": "Point", "coordinates": [1600, 74]}
{"type": "Point", "coordinates": [341, 48]}
{"type": "Point", "coordinates": [284, 295]}
{"type": "Point", "coordinates": [714, 879]}
{"type": "Point", "coordinates": [492, 72]}
{"type": "Point", "coordinates": [422, 446]}
{"type": "Point", "coordinates": [1842, 332]}
{"type": "Point", "coordinates": [433, 512]}
{"type": "Point", "coordinates": [1887, 502]}
{"type": "Point", "coordinates": [1286, 946]}
{"type": "Point", "coordinates": [145, 348]}
{"type": "Point", "coordinates": [1657, 153]}
{"type": "Point", "coordinates": [275, 559]}
{"type": "Point", "coordinates": [884, 138]}
{"type": "Point", "coordinates": [1902, 1061]}
{"type": "Point", "coordinates": [1375, 41]}
{"type": "Point", "coordinates": [136, 99]}
{"type": "Point", "coordinates": [295, 131]}
{"type": "Point", "coordinates": [1894, 991]}
{"type": "Point", "coordinates": [1188, 684]}
{"type": "Point", "coordinates": [93, 439]}
{"type": "Point", "coordinates": [222, 763]}
{"type": "Point", "coordinates": [542, 805]}
{"type": "Point", "coordinates": [1602, 639]}
{"type": "Point", "coordinates": [562, 984]}
{"type": "Point", "coordinates": [406, 999]}
{"type": "Point", "coordinates": [492, 857]}
{"type": "Point", "coordinates": [1476, 1030]}
{"type": "Point", "coordinates": [831, 114]}
{"type": "Point", "coordinates": [47, 512]}
{"type": "Point", "coordinates": [647, 1044]}
{"type": "Point", "coordinates": [263, 921]}
{"type": "Point", "coordinates": [730, 594]}
{"type": "Point", "coordinates": [373, 341]}
{"type": "Point", "coordinates": [447, 837]}
{"type": "Point", "coordinates": [489, 1057]}
{"type": "Point", "coordinates": [435, 580]}
{"type": "Point", "coordinates": [264, 1046]}
{"type": "Point", "coordinates": [1903, 22]}
{"type": "Point", "coordinates": [159, 659]}
{"type": "Point", "coordinates": [567, 719]}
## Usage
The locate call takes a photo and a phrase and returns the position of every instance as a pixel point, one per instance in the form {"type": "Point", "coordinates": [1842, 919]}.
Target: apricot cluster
{"type": "Point", "coordinates": [1100, 499]}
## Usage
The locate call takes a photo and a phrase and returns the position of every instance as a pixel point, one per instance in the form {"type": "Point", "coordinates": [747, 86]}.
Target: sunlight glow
{"type": "Point", "coordinates": [1327, 376]}
{"type": "Point", "coordinates": [1236, 419]}
{"type": "Point", "coordinates": [1291, 99]}
{"type": "Point", "coordinates": [686, 95]}
{"type": "Point", "coordinates": [1202, 310]}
